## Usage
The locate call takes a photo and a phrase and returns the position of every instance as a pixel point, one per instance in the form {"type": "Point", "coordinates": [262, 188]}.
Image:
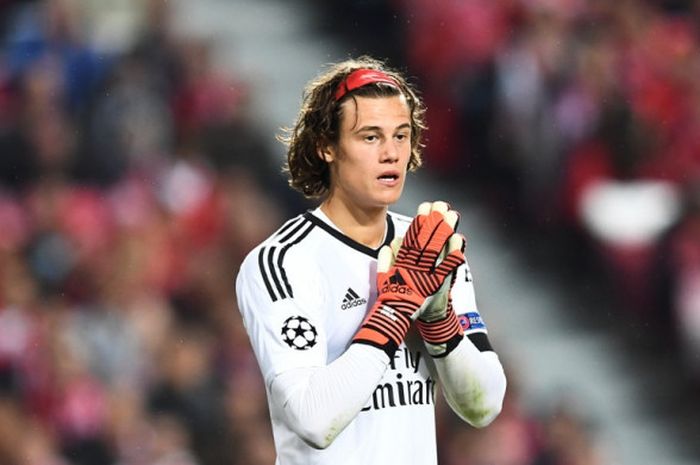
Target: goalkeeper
{"type": "Point", "coordinates": [355, 313]}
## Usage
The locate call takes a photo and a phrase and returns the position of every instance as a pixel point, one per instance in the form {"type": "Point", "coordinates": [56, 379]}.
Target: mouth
{"type": "Point", "coordinates": [390, 177]}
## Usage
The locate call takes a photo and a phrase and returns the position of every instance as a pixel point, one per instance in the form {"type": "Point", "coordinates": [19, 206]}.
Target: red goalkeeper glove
{"type": "Point", "coordinates": [404, 286]}
{"type": "Point", "coordinates": [437, 322]}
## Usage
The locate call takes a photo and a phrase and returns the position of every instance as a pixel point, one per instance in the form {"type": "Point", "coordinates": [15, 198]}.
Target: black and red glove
{"type": "Point", "coordinates": [405, 285]}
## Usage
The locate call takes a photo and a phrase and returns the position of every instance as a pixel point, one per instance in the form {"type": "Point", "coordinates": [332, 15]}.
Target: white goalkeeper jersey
{"type": "Point", "coordinates": [303, 294]}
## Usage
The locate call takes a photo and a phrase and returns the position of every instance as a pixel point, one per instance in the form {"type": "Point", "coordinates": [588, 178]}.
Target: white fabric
{"type": "Point", "coordinates": [318, 403]}
{"type": "Point", "coordinates": [473, 383]}
{"type": "Point", "coordinates": [323, 391]}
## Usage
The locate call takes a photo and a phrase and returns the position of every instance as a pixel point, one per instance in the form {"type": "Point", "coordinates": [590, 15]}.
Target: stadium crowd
{"type": "Point", "coordinates": [125, 170]}
{"type": "Point", "coordinates": [580, 122]}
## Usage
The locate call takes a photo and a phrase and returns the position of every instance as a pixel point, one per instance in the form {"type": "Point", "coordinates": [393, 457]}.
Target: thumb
{"type": "Point", "coordinates": [396, 245]}
{"type": "Point", "coordinates": [385, 259]}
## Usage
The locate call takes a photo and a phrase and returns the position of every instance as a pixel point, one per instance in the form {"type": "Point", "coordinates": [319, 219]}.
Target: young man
{"type": "Point", "coordinates": [351, 335]}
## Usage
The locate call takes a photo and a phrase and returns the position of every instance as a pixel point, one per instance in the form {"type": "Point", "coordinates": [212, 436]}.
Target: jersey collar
{"type": "Point", "coordinates": [309, 215]}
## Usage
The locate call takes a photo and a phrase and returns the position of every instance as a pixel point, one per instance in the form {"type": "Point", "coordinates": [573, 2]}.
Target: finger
{"type": "Point", "coordinates": [435, 232]}
{"type": "Point", "coordinates": [385, 259]}
{"type": "Point", "coordinates": [424, 208]}
{"type": "Point", "coordinates": [464, 242]}
{"type": "Point", "coordinates": [440, 207]}
{"type": "Point", "coordinates": [412, 237]}
{"type": "Point", "coordinates": [452, 218]}
{"type": "Point", "coordinates": [396, 245]}
{"type": "Point", "coordinates": [456, 242]}
{"type": "Point", "coordinates": [453, 260]}
{"type": "Point", "coordinates": [443, 253]}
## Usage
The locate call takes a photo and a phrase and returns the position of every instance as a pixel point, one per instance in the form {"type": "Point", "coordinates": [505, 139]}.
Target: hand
{"type": "Point", "coordinates": [435, 308]}
{"type": "Point", "coordinates": [416, 274]}
{"type": "Point", "coordinates": [437, 323]}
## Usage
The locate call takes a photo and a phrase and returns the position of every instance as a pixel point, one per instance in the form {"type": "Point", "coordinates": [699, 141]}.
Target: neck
{"type": "Point", "coordinates": [366, 226]}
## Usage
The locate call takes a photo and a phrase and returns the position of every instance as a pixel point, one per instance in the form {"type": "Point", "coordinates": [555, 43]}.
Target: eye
{"type": "Point", "coordinates": [402, 136]}
{"type": "Point", "coordinates": [370, 138]}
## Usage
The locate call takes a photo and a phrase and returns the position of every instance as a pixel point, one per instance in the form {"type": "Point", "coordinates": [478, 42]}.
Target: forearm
{"type": "Point", "coordinates": [318, 403]}
{"type": "Point", "coordinates": [473, 383]}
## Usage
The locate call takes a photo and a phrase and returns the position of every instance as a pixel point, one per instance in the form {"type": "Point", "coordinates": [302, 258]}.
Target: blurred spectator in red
{"type": "Point", "coordinates": [605, 175]}
{"type": "Point", "coordinates": [680, 265]}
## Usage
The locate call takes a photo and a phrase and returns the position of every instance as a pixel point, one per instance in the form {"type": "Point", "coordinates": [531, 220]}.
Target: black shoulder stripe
{"type": "Point", "coordinates": [263, 272]}
{"type": "Point", "coordinates": [275, 278]}
{"type": "Point", "coordinates": [293, 231]}
{"type": "Point", "coordinates": [268, 274]}
{"type": "Point", "coordinates": [280, 259]}
{"type": "Point", "coordinates": [481, 341]}
{"type": "Point", "coordinates": [271, 268]}
{"type": "Point", "coordinates": [288, 225]}
{"type": "Point", "coordinates": [266, 264]}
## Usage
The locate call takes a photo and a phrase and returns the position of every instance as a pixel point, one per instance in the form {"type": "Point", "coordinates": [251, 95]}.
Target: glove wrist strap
{"type": "Point", "coordinates": [440, 331]}
{"type": "Point", "coordinates": [389, 347]}
{"type": "Point", "coordinates": [385, 328]}
{"type": "Point", "coordinates": [441, 336]}
{"type": "Point", "coordinates": [444, 349]}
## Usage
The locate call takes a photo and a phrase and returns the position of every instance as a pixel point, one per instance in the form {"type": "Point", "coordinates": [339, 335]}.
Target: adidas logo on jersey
{"type": "Point", "coordinates": [352, 300]}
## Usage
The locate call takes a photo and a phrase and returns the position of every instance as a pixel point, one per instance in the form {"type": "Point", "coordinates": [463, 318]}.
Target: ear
{"type": "Point", "coordinates": [326, 153]}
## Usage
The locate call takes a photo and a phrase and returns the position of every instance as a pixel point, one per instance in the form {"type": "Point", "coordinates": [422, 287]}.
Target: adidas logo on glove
{"type": "Point", "coordinates": [397, 285]}
{"type": "Point", "coordinates": [352, 300]}
{"type": "Point", "coordinates": [396, 278]}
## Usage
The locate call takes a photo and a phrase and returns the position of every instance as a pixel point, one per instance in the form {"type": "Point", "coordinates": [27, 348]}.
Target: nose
{"type": "Point", "coordinates": [389, 152]}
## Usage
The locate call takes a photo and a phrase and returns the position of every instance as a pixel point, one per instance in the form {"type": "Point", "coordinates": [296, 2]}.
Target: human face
{"type": "Point", "coordinates": [368, 165]}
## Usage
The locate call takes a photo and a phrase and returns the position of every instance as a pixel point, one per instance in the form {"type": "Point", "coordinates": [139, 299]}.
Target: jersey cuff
{"type": "Point", "coordinates": [480, 341]}
{"type": "Point", "coordinates": [369, 349]}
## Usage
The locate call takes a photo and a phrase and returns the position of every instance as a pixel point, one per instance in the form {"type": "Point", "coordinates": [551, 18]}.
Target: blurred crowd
{"type": "Point", "coordinates": [127, 159]}
{"type": "Point", "coordinates": [579, 122]}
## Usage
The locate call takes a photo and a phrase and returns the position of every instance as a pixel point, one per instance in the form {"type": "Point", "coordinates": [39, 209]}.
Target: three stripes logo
{"type": "Point", "coordinates": [271, 257]}
{"type": "Point", "coordinates": [396, 278]}
{"type": "Point", "coordinates": [352, 300]}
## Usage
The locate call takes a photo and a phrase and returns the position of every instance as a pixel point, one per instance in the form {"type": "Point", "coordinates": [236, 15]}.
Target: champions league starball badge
{"type": "Point", "coordinates": [298, 333]}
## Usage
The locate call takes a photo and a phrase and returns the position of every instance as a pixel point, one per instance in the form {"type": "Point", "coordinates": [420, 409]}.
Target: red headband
{"type": "Point", "coordinates": [362, 77]}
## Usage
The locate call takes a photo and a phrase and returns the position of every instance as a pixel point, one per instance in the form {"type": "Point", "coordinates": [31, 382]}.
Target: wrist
{"type": "Point", "coordinates": [441, 336]}
{"type": "Point", "coordinates": [443, 349]}
{"type": "Point", "coordinates": [385, 327]}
